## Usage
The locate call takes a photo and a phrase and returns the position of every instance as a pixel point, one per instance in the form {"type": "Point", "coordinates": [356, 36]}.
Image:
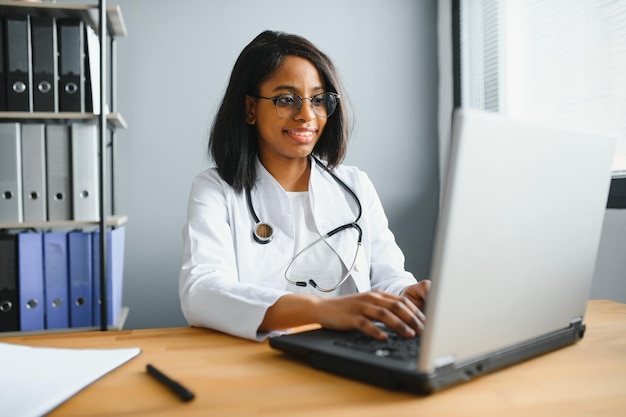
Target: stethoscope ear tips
{"type": "Point", "coordinates": [263, 233]}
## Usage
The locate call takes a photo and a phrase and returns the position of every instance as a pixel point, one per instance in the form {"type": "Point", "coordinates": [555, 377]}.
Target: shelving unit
{"type": "Point", "coordinates": [108, 120]}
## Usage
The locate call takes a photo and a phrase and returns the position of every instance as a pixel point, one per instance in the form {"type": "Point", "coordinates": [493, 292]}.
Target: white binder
{"type": "Point", "coordinates": [92, 71]}
{"type": "Point", "coordinates": [10, 173]}
{"type": "Point", "coordinates": [34, 172]}
{"type": "Point", "coordinates": [58, 172]}
{"type": "Point", "coordinates": [85, 196]}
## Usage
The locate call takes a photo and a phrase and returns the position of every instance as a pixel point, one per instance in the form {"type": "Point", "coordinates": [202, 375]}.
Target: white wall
{"type": "Point", "coordinates": [173, 68]}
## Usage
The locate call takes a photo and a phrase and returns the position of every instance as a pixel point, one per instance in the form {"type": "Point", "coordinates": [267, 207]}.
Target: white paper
{"type": "Point", "coordinates": [35, 380]}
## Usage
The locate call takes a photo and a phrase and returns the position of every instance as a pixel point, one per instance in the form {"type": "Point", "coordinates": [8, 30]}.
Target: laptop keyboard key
{"type": "Point", "coordinates": [395, 346]}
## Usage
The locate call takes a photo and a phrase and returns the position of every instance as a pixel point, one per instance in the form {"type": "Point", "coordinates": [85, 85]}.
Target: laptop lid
{"type": "Point", "coordinates": [518, 234]}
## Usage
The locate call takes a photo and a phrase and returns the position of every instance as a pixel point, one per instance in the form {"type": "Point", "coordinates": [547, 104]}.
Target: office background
{"type": "Point", "coordinates": [173, 68]}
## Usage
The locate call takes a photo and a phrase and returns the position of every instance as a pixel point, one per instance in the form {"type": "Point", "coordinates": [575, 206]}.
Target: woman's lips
{"type": "Point", "coordinates": [301, 135]}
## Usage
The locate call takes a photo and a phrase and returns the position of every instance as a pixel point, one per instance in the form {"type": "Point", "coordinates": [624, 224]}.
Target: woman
{"type": "Point", "coordinates": [256, 258]}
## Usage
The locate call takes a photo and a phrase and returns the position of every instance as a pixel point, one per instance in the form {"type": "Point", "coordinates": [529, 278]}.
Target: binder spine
{"type": "Point", "coordinates": [56, 280]}
{"type": "Point", "coordinates": [80, 255]}
{"type": "Point", "coordinates": [44, 63]}
{"type": "Point", "coordinates": [9, 310]}
{"type": "Point", "coordinates": [18, 63]}
{"type": "Point", "coordinates": [71, 65]}
{"type": "Point", "coordinates": [58, 161]}
{"type": "Point", "coordinates": [84, 145]}
{"type": "Point", "coordinates": [30, 280]}
{"type": "Point", "coordinates": [34, 172]}
{"type": "Point", "coordinates": [11, 210]}
{"type": "Point", "coordinates": [3, 85]}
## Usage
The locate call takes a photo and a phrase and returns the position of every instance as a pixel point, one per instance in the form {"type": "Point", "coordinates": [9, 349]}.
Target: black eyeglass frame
{"type": "Point", "coordinates": [299, 105]}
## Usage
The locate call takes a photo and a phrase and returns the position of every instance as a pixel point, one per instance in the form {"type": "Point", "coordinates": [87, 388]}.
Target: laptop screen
{"type": "Point", "coordinates": [517, 237]}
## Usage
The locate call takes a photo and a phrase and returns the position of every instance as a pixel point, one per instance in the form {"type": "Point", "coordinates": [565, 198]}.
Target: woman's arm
{"type": "Point", "coordinates": [349, 312]}
{"type": "Point", "coordinates": [212, 293]}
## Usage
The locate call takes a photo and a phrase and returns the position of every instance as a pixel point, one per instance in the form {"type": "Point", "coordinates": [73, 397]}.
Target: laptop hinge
{"type": "Point", "coordinates": [577, 321]}
{"type": "Point", "coordinates": [444, 361]}
{"type": "Point", "coordinates": [578, 326]}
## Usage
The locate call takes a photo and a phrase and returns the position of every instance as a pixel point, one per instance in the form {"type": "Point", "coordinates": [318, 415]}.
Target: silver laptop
{"type": "Point", "coordinates": [517, 237]}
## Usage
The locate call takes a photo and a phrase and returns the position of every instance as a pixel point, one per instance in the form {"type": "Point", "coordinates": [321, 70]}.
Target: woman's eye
{"type": "Point", "coordinates": [286, 100]}
{"type": "Point", "coordinates": [318, 100]}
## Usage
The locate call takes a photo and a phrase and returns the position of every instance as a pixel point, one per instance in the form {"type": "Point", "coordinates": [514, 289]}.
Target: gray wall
{"type": "Point", "coordinates": [173, 68]}
{"type": "Point", "coordinates": [609, 281]}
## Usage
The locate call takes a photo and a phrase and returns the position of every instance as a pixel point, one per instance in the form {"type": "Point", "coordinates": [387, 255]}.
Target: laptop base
{"type": "Point", "coordinates": [403, 375]}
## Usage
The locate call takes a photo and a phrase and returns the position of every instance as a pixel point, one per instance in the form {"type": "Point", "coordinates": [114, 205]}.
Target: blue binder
{"type": "Point", "coordinates": [30, 280]}
{"type": "Point", "coordinates": [56, 280]}
{"type": "Point", "coordinates": [115, 273]}
{"type": "Point", "coordinates": [80, 255]}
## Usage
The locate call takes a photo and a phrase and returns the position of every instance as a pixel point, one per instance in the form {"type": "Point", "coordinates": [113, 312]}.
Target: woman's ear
{"type": "Point", "coordinates": [250, 106]}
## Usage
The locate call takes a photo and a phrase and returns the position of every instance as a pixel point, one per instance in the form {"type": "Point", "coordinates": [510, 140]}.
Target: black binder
{"type": "Point", "coordinates": [44, 53]}
{"type": "Point", "coordinates": [18, 63]}
{"type": "Point", "coordinates": [71, 85]}
{"type": "Point", "coordinates": [9, 308]}
{"type": "Point", "coordinates": [3, 89]}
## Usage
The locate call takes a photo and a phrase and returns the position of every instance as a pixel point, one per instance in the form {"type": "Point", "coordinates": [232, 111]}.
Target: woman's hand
{"type": "Point", "coordinates": [359, 311]}
{"type": "Point", "coordinates": [418, 293]}
{"type": "Point", "coordinates": [401, 313]}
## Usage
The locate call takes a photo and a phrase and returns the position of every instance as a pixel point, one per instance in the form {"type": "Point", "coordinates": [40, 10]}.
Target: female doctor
{"type": "Point", "coordinates": [279, 234]}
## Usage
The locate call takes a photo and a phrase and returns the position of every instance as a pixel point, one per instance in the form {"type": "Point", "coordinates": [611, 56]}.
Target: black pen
{"type": "Point", "coordinates": [176, 388]}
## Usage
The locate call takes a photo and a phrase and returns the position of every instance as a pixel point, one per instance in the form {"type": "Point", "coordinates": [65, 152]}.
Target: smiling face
{"type": "Point", "coordinates": [290, 140]}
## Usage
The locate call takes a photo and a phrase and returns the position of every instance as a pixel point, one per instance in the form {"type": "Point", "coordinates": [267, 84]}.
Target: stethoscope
{"type": "Point", "coordinates": [263, 233]}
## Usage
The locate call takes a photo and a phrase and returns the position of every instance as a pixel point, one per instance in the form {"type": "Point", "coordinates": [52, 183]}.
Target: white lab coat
{"type": "Point", "coordinates": [228, 280]}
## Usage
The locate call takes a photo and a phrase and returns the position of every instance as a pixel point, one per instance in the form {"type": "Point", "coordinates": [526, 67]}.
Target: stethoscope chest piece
{"type": "Point", "coordinates": [263, 233]}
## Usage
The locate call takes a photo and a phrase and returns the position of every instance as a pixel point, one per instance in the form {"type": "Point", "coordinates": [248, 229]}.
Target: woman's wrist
{"type": "Point", "coordinates": [292, 310]}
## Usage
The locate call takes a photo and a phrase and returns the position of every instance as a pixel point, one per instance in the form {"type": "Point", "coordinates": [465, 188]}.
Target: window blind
{"type": "Point", "coordinates": [560, 61]}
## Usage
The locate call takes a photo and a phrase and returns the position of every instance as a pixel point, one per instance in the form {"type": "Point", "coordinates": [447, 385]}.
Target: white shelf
{"type": "Point", "coordinates": [89, 13]}
{"type": "Point", "coordinates": [114, 120]}
{"type": "Point", "coordinates": [121, 321]}
{"type": "Point", "coordinates": [113, 221]}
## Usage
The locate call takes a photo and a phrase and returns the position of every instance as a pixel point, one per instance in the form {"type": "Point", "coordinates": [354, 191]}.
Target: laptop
{"type": "Point", "coordinates": [515, 247]}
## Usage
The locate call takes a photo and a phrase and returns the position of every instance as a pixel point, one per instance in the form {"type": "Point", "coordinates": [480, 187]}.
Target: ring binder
{"type": "Point", "coordinates": [18, 63]}
{"type": "Point", "coordinates": [71, 65]}
{"type": "Point", "coordinates": [58, 160]}
{"type": "Point", "coordinates": [10, 173]}
{"type": "Point", "coordinates": [34, 172]}
{"type": "Point", "coordinates": [44, 53]}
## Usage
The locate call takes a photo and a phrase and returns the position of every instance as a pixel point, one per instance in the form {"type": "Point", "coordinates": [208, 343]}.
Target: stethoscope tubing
{"type": "Point", "coordinates": [268, 231]}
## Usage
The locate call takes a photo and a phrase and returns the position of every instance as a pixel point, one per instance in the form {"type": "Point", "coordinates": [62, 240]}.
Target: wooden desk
{"type": "Point", "coordinates": [234, 377]}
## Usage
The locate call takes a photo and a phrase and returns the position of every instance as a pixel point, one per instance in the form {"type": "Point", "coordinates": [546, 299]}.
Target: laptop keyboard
{"type": "Point", "coordinates": [396, 346]}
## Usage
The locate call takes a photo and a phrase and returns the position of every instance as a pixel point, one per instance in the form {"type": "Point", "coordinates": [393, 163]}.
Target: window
{"type": "Point", "coordinates": [557, 61]}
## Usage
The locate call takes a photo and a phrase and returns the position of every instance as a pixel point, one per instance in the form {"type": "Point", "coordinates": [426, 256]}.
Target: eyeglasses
{"type": "Point", "coordinates": [289, 104]}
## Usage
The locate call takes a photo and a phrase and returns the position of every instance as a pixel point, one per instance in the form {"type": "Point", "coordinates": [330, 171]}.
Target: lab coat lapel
{"type": "Point", "coordinates": [274, 207]}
